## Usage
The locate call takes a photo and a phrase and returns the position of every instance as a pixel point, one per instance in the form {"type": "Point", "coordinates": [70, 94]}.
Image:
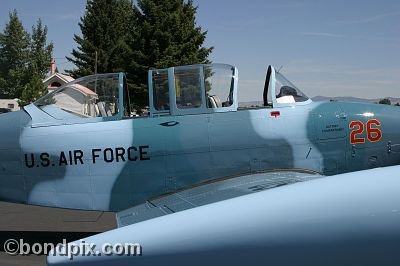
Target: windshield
{"type": "Point", "coordinates": [286, 92]}
{"type": "Point", "coordinates": [92, 96]}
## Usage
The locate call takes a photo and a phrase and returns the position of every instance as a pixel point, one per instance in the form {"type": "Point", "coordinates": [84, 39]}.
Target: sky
{"type": "Point", "coordinates": [329, 48]}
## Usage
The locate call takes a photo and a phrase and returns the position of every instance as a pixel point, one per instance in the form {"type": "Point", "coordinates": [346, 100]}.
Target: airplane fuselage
{"type": "Point", "coordinates": [113, 165]}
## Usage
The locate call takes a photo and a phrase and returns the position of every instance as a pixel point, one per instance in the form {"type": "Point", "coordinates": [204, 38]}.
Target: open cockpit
{"type": "Point", "coordinates": [182, 90]}
{"type": "Point", "coordinates": [279, 91]}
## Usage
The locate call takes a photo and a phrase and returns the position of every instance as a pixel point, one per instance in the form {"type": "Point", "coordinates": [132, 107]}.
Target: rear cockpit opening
{"type": "Point", "coordinates": [278, 92]}
{"type": "Point", "coordinates": [286, 92]}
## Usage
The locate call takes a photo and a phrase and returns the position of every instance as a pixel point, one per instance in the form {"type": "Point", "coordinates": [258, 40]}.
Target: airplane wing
{"type": "Point", "coordinates": [335, 220]}
{"type": "Point", "coordinates": [212, 192]}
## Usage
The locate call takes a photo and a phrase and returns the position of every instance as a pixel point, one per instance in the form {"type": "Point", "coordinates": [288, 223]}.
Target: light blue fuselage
{"type": "Point", "coordinates": [113, 165]}
{"type": "Point", "coordinates": [79, 147]}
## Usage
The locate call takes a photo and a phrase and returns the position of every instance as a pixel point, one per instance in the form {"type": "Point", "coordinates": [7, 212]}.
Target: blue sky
{"type": "Point", "coordinates": [332, 48]}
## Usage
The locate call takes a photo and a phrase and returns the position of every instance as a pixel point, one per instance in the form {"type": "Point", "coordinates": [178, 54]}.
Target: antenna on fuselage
{"type": "Point", "coordinates": [266, 85]}
{"type": "Point", "coordinates": [95, 71]}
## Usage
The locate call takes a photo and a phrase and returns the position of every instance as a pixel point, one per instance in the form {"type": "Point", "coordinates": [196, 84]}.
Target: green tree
{"type": "Point", "coordinates": [105, 29]}
{"type": "Point", "coordinates": [38, 65]}
{"type": "Point", "coordinates": [40, 51]}
{"type": "Point", "coordinates": [397, 104]}
{"type": "Point", "coordinates": [24, 60]}
{"type": "Point", "coordinates": [33, 90]}
{"type": "Point", "coordinates": [134, 38]}
{"type": "Point", "coordinates": [167, 35]}
{"type": "Point", "coordinates": [14, 51]}
{"type": "Point", "coordinates": [385, 101]}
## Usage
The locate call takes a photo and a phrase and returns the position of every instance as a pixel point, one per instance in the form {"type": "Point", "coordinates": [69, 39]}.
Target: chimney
{"type": "Point", "coordinates": [52, 66]}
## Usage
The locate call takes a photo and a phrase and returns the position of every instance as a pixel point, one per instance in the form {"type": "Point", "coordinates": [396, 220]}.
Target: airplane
{"type": "Point", "coordinates": [346, 219]}
{"type": "Point", "coordinates": [80, 147]}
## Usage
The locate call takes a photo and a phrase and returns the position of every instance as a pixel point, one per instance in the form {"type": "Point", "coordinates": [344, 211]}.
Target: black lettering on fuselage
{"type": "Point", "coordinates": [143, 153]}
{"type": "Point", "coordinates": [120, 154]}
{"type": "Point", "coordinates": [95, 155]}
{"type": "Point", "coordinates": [70, 157]}
{"type": "Point", "coordinates": [108, 155]}
{"type": "Point", "coordinates": [78, 155]}
{"type": "Point", "coordinates": [63, 159]}
{"type": "Point", "coordinates": [44, 157]}
{"type": "Point", "coordinates": [131, 156]}
{"type": "Point", "coordinates": [32, 163]}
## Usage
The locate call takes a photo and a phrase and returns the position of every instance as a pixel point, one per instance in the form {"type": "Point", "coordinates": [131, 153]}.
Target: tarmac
{"type": "Point", "coordinates": [35, 224]}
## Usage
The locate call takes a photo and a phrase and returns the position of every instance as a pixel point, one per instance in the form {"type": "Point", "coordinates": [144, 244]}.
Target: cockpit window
{"type": "Point", "coordinates": [219, 85]}
{"type": "Point", "coordinates": [161, 90]}
{"type": "Point", "coordinates": [192, 89]}
{"type": "Point", "coordinates": [286, 92]}
{"type": "Point", "coordinates": [188, 87]}
{"type": "Point", "coordinates": [92, 96]}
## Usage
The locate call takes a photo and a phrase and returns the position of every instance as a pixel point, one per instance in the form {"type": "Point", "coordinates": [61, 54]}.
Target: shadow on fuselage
{"type": "Point", "coordinates": [314, 137]}
{"type": "Point", "coordinates": [200, 148]}
{"type": "Point", "coordinates": [192, 149]}
{"type": "Point", "coordinates": [21, 170]}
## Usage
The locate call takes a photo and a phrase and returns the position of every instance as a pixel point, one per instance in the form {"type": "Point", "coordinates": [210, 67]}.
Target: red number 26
{"type": "Point", "coordinates": [374, 134]}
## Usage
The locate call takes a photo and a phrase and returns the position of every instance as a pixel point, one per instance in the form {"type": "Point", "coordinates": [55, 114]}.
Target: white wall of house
{"type": "Point", "coordinates": [11, 104]}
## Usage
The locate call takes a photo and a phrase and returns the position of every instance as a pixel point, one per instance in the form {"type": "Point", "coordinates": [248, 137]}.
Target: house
{"type": "Point", "coordinates": [74, 96]}
{"type": "Point", "coordinates": [52, 82]}
{"type": "Point", "coordinates": [9, 105]}
{"type": "Point", "coordinates": [56, 80]}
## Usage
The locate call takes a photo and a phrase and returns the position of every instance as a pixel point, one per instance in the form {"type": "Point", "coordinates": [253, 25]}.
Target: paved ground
{"type": "Point", "coordinates": [32, 260]}
{"type": "Point", "coordinates": [43, 225]}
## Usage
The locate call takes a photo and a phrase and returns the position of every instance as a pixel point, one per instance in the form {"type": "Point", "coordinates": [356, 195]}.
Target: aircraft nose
{"type": "Point", "coordinates": [10, 128]}
{"type": "Point", "coordinates": [11, 172]}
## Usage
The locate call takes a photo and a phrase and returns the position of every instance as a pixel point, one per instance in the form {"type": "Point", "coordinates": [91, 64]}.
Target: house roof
{"type": "Point", "coordinates": [84, 89]}
{"type": "Point", "coordinates": [66, 79]}
{"type": "Point", "coordinates": [63, 77]}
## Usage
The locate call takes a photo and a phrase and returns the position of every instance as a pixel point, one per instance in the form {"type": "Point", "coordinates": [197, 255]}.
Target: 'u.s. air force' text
{"type": "Point", "coordinates": [78, 157]}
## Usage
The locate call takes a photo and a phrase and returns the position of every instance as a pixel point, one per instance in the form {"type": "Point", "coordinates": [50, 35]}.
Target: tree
{"type": "Point", "coordinates": [40, 52]}
{"type": "Point", "coordinates": [385, 101]}
{"type": "Point", "coordinates": [167, 35]}
{"type": "Point", "coordinates": [24, 60]}
{"type": "Point", "coordinates": [33, 90]}
{"type": "Point", "coordinates": [37, 66]}
{"type": "Point", "coordinates": [105, 29]}
{"type": "Point", "coordinates": [14, 49]}
{"type": "Point", "coordinates": [397, 104]}
{"type": "Point", "coordinates": [134, 38]}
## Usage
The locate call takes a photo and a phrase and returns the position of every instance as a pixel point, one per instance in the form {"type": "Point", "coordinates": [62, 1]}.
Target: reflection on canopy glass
{"type": "Point", "coordinates": [286, 92]}
{"type": "Point", "coordinates": [219, 85]}
{"type": "Point", "coordinates": [92, 96]}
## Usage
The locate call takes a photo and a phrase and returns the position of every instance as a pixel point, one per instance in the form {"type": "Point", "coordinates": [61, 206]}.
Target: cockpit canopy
{"type": "Point", "coordinates": [280, 92]}
{"type": "Point", "coordinates": [286, 92]}
{"type": "Point", "coordinates": [193, 89]}
{"type": "Point", "coordinates": [89, 97]}
{"type": "Point", "coordinates": [212, 88]}
{"type": "Point", "coordinates": [182, 90]}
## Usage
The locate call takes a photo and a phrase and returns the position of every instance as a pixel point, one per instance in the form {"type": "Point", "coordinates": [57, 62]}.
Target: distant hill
{"type": "Point", "coordinates": [252, 104]}
{"type": "Point", "coordinates": [327, 99]}
{"type": "Point", "coordinates": [353, 99]}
